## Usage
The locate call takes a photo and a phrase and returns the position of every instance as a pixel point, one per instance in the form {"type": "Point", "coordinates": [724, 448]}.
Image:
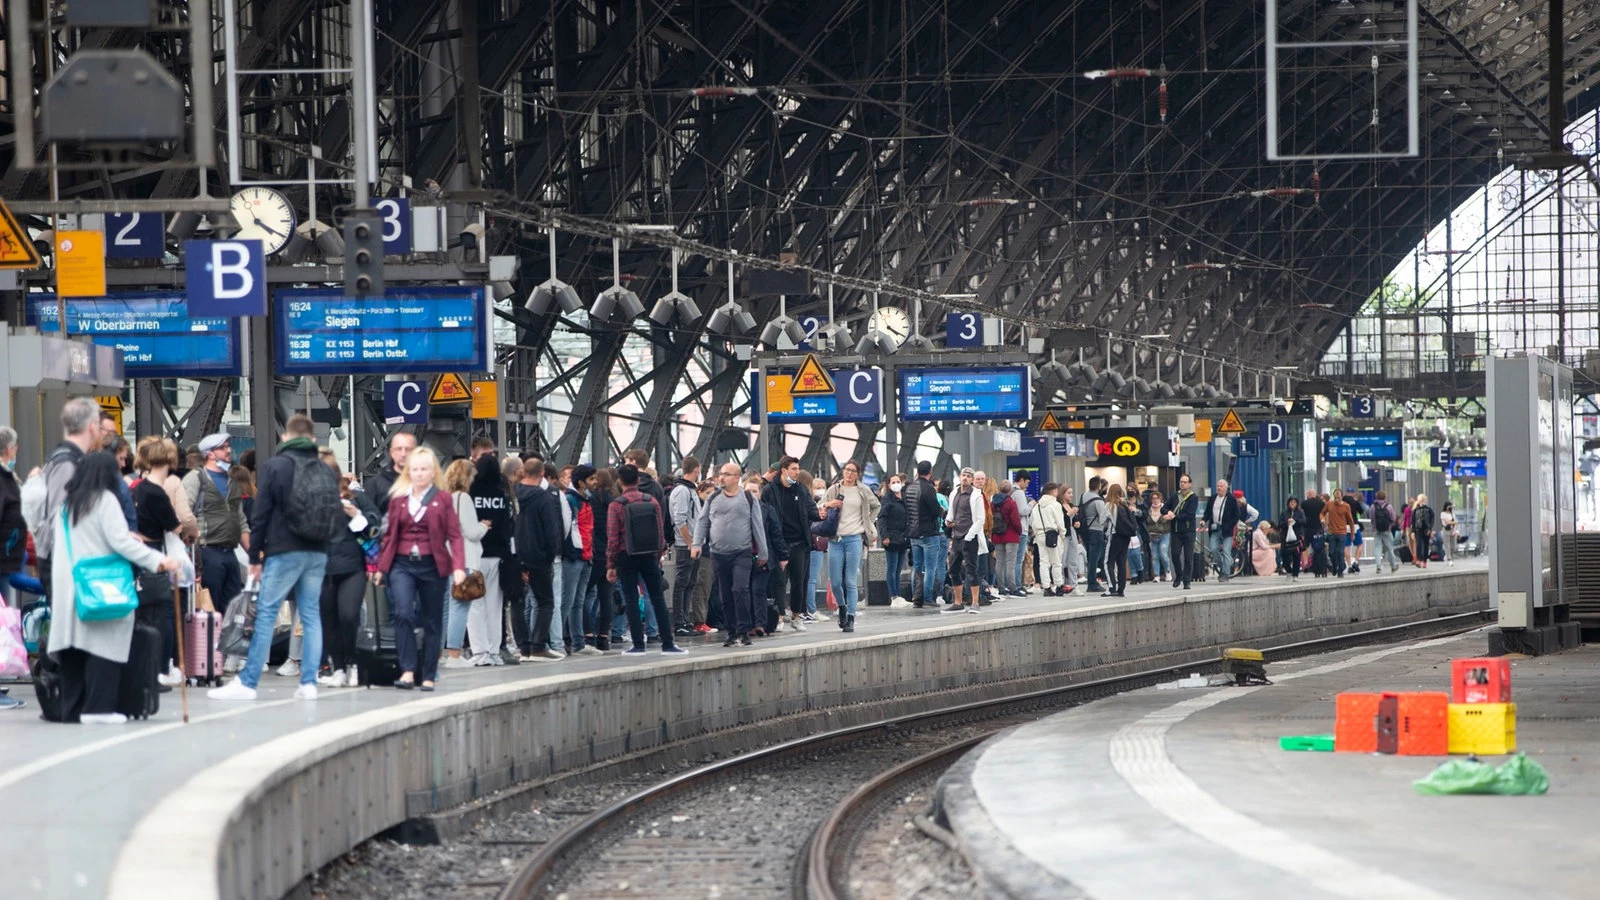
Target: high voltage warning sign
{"type": "Point", "coordinates": [812, 379]}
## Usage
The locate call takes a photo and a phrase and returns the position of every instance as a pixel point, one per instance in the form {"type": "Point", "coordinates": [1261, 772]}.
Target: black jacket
{"type": "Point", "coordinates": [600, 502]}
{"type": "Point", "coordinates": [13, 530]}
{"type": "Point", "coordinates": [1125, 524]}
{"type": "Point", "coordinates": [775, 538]}
{"type": "Point", "coordinates": [794, 508]}
{"type": "Point", "coordinates": [650, 487]}
{"type": "Point", "coordinates": [345, 553]}
{"type": "Point", "coordinates": [1230, 513]}
{"type": "Point", "coordinates": [1298, 516]}
{"type": "Point", "coordinates": [924, 515]}
{"type": "Point", "coordinates": [269, 527]}
{"type": "Point", "coordinates": [1183, 513]}
{"type": "Point", "coordinates": [382, 483]}
{"type": "Point", "coordinates": [892, 522]}
{"type": "Point", "coordinates": [494, 505]}
{"type": "Point", "coordinates": [1312, 508]}
{"type": "Point", "coordinates": [1423, 519]}
{"type": "Point", "coordinates": [539, 531]}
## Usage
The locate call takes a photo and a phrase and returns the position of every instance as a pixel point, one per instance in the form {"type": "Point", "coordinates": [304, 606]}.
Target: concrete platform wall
{"type": "Point", "coordinates": [289, 807]}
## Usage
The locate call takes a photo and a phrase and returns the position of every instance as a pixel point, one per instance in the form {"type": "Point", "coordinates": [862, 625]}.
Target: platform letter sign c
{"type": "Point", "coordinates": [859, 393]}
{"type": "Point", "coordinates": [405, 402]}
{"type": "Point", "coordinates": [227, 279]}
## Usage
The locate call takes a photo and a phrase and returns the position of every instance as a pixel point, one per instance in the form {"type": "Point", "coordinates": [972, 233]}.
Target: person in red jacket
{"type": "Point", "coordinates": [1007, 536]}
{"type": "Point", "coordinates": [577, 555]}
{"type": "Point", "coordinates": [633, 553]}
{"type": "Point", "coordinates": [421, 549]}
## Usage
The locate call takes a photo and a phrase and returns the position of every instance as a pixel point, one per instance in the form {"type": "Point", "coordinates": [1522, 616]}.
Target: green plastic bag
{"type": "Point", "coordinates": [1517, 775]}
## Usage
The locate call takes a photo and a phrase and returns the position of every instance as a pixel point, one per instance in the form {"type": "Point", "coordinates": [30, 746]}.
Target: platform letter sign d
{"type": "Point", "coordinates": [226, 278]}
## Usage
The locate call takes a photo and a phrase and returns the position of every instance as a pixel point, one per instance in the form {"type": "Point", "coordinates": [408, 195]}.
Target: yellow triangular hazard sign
{"type": "Point", "coordinates": [16, 248]}
{"type": "Point", "coordinates": [449, 388]}
{"type": "Point", "coordinates": [812, 379]}
{"type": "Point", "coordinates": [1050, 422]}
{"type": "Point", "coordinates": [1231, 424]}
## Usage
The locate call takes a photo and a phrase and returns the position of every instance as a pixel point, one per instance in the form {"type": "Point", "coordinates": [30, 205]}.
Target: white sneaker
{"type": "Point", "coordinates": [796, 625]}
{"type": "Point", "coordinates": [305, 692]}
{"type": "Point", "coordinates": [170, 678]}
{"type": "Point", "coordinates": [351, 677]}
{"type": "Point", "coordinates": [289, 669]}
{"type": "Point", "coordinates": [233, 690]}
{"type": "Point", "coordinates": [822, 616]}
{"type": "Point", "coordinates": [457, 662]}
{"type": "Point", "coordinates": [103, 719]}
{"type": "Point", "coordinates": [778, 628]}
{"type": "Point", "coordinates": [590, 651]}
{"type": "Point", "coordinates": [334, 679]}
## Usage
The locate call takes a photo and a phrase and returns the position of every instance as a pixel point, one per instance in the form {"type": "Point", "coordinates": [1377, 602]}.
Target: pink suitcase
{"type": "Point", "coordinates": [202, 661]}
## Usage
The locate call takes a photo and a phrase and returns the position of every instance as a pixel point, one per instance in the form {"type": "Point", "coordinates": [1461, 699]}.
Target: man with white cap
{"type": "Point", "coordinates": [219, 508]}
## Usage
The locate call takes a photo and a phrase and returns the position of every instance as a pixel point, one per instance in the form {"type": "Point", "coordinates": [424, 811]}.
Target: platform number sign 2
{"type": "Point", "coordinates": [135, 236]}
{"type": "Point", "coordinates": [395, 215]}
{"type": "Point", "coordinates": [963, 329]}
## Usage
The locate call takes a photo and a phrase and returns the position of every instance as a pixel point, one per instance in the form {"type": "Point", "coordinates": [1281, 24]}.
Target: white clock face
{"type": "Point", "coordinates": [892, 321]}
{"type": "Point", "coordinates": [264, 215]}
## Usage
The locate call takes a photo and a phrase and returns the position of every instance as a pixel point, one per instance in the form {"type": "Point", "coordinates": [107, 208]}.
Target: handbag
{"type": "Point", "coordinates": [13, 649]}
{"type": "Point", "coordinates": [103, 586]}
{"type": "Point", "coordinates": [470, 588]}
{"type": "Point", "coordinates": [240, 625]}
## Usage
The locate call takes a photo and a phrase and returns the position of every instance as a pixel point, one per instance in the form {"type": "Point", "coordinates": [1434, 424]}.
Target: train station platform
{"type": "Point", "coordinates": [1185, 793]}
{"type": "Point", "coordinates": [247, 799]}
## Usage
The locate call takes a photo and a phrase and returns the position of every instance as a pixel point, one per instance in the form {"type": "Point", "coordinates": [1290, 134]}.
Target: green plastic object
{"type": "Point", "coordinates": [1517, 775]}
{"type": "Point", "coordinates": [1322, 743]}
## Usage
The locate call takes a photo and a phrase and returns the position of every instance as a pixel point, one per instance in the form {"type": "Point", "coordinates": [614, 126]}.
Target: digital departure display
{"type": "Point", "coordinates": [857, 397]}
{"type": "Point", "coordinates": [320, 331]}
{"type": "Point", "coordinates": [1379, 445]}
{"type": "Point", "coordinates": [955, 395]}
{"type": "Point", "coordinates": [153, 330]}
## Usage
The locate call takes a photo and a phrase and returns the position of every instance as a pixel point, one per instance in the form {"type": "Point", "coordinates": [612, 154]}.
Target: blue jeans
{"type": "Point", "coordinates": [299, 572]}
{"type": "Point", "coordinates": [935, 560]}
{"type": "Point", "coordinates": [417, 592]}
{"type": "Point", "coordinates": [574, 580]}
{"type": "Point", "coordinates": [814, 573]}
{"type": "Point", "coordinates": [1022, 553]}
{"type": "Point", "coordinates": [557, 621]}
{"type": "Point", "coordinates": [894, 561]}
{"type": "Point", "coordinates": [1160, 554]}
{"type": "Point", "coordinates": [455, 621]}
{"type": "Point", "coordinates": [1221, 547]}
{"type": "Point", "coordinates": [1136, 563]}
{"type": "Point", "coordinates": [844, 571]}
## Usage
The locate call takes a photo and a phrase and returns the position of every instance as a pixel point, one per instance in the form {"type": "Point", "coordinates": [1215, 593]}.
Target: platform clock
{"type": "Point", "coordinates": [264, 215]}
{"type": "Point", "coordinates": [892, 321]}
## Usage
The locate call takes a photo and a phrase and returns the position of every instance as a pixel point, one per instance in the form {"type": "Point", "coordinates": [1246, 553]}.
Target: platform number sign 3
{"type": "Point", "coordinates": [1363, 407]}
{"type": "Point", "coordinates": [963, 329]}
{"type": "Point", "coordinates": [135, 236]}
{"type": "Point", "coordinates": [395, 215]}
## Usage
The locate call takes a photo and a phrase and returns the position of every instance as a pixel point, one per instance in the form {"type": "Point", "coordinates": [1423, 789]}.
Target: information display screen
{"type": "Point", "coordinates": [955, 395]}
{"type": "Point", "coordinates": [1385, 444]}
{"type": "Point", "coordinates": [1469, 467]}
{"type": "Point", "coordinates": [857, 397]}
{"type": "Point", "coordinates": [151, 328]}
{"type": "Point", "coordinates": [320, 331]}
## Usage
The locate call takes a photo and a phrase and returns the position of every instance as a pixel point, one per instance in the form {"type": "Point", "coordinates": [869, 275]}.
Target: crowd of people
{"type": "Point", "coordinates": [500, 558]}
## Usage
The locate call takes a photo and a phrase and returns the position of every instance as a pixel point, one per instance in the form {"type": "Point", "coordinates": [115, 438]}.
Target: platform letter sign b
{"type": "Point", "coordinates": [226, 278]}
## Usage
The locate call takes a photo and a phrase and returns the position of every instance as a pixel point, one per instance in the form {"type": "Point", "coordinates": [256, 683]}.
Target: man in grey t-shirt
{"type": "Point", "coordinates": [729, 528]}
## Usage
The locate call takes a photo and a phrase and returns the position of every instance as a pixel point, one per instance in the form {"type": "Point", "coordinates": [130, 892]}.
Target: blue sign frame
{"type": "Point", "coordinates": [822, 408]}
{"type": "Point", "coordinates": [320, 331]}
{"type": "Point", "coordinates": [153, 330]}
{"type": "Point", "coordinates": [1375, 445]}
{"type": "Point", "coordinates": [975, 394]}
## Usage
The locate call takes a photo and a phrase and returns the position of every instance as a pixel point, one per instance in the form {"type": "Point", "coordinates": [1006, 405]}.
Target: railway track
{"type": "Point", "coordinates": [641, 843]}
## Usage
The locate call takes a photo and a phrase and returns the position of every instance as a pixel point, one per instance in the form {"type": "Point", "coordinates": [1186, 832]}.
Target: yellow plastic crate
{"type": "Point", "coordinates": [1487, 729]}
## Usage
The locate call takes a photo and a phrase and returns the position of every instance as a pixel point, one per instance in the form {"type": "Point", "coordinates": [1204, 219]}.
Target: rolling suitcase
{"type": "Point", "coordinates": [139, 693]}
{"type": "Point", "coordinates": [377, 655]}
{"type": "Point", "coordinates": [1404, 553]}
{"type": "Point", "coordinates": [47, 687]}
{"type": "Point", "coordinates": [202, 657]}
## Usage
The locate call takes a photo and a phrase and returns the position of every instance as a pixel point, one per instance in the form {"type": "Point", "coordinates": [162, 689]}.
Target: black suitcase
{"type": "Point", "coordinates": [377, 656]}
{"type": "Point", "coordinates": [47, 687]}
{"type": "Point", "coordinates": [1404, 553]}
{"type": "Point", "coordinates": [878, 593]}
{"type": "Point", "coordinates": [139, 692]}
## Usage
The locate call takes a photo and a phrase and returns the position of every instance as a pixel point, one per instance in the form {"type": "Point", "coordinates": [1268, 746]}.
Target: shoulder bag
{"type": "Point", "coordinates": [103, 586]}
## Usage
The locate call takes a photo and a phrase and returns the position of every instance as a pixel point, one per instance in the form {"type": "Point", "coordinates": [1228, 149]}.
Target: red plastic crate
{"type": "Point", "coordinates": [1424, 725]}
{"type": "Point", "coordinates": [1355, 722]}
{"type": "Point", "coordinates": [1485, 680]}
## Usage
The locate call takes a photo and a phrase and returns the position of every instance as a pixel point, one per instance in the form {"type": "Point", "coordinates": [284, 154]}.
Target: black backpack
{"type": "Point", "coordinates": [314, 512]}
{"type": "Point", "coordinates": [641, 527]}
{"type": "Point", "coordinates": [1080, 519]}
{"type": "Point", "coordinates": [1382, 516]}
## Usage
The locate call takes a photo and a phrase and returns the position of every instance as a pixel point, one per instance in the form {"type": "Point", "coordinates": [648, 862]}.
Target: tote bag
{"type": "Point", "coordinates": [103, 585]}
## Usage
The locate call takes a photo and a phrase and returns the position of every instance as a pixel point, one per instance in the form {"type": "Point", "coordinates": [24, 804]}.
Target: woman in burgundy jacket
{"type": "Point", "coordinates": [421, 549]}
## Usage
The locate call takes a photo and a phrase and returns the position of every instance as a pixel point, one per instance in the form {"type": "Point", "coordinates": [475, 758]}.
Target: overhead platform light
{"type": "Point", "coordinates": [674, 307]}
{"type": "Point", "coordinates": [554, 293]}
{"type": "Point", "coordinates": [616, 303]}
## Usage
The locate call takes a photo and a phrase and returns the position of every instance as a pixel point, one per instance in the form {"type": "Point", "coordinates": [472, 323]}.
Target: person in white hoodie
{"type": "Point", "coordinates": [1047, 528]}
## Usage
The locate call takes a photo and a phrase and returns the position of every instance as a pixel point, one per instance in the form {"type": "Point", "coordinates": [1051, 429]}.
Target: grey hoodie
{"type": "Point", "coordinates": [729, 525]}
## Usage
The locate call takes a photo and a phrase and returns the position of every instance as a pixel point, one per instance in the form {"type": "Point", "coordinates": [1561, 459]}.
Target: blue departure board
{"type": "Point", "coordinates": [151, 328]}
{"type": "Point", "coordinates": [966, 394]}
{"type": "Point", "coordinates": [1384, 444]}
{"type": "Point", "coordinates": [320, 331]}
{"type": "Point", "coordinates": [856, 397]}
{"type": "Point", "coordinates": [1469, 467]}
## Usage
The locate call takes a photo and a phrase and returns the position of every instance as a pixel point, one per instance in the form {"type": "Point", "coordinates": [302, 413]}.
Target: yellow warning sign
{"type": "Point", "coordinates": [1202, 431]}
{"type": "Point", "coordinates": [486, 399]}
{"type": "Point", "coordinates": [1231, 424]}
{"type": "Point", "coordinates": [111, 405]}
{"type": "Point", "coordinates": [16, 248]}
{"type": "Point", "coordinates": [449, 388]}
{"type": "Point", "coordinates": [1050, 422]}
{"type": "Point", "coordinates": [812, 379]}
{"type": "Point", "coordinates": [779, 398]}
{"type": "Point", "coordinates": [81, 263]}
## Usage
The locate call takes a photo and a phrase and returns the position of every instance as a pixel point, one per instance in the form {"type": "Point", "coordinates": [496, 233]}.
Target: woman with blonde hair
{"type": "Point", "coordinates": [344, 581]}
{"type": "Point", "coordinates": [1123, 529]}
{"type": "Point", "coordinates": [422, 551]}
{"type": "Point", "coordinates": [458, 481]}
